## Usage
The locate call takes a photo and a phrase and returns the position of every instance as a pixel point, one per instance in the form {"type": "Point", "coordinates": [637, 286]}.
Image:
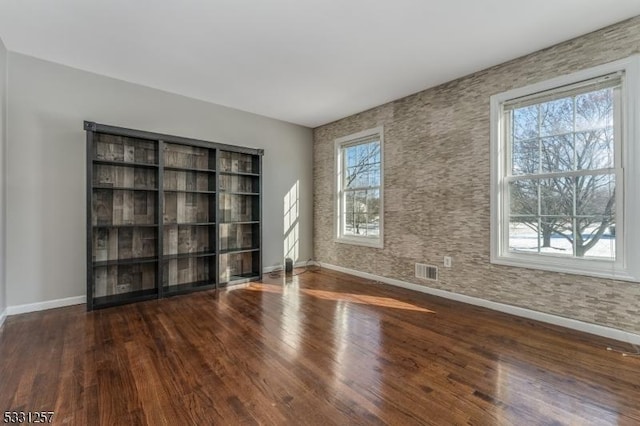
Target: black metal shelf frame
{"type": "Point", "coordinates": [216, 150]}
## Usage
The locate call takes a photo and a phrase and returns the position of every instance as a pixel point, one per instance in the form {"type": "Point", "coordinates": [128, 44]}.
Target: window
{"type": "Point", "coordinates": [564, 172]}
{"type": "Point", "coordinates": [359, 206]}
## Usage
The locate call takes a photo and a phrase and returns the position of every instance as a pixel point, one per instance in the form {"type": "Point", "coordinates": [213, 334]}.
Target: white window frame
{"type": "Point", "coordinates": [340, 144]}
{"type": "Point", "coordinates": [626, 265]}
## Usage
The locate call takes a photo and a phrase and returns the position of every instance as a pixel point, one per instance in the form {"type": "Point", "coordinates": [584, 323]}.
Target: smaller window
{"type": "Point", "coordinates": [359, 182]}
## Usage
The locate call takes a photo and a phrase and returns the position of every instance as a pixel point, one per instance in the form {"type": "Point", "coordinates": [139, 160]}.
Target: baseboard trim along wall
{"type": "Point", "coordinates": [49, 304]}
{"type": "Point", "coordinates": [585, 327]}
{"type": "Point", "coordinates": [77, 300]}
{"type": "Point", "coordinates": [279, 267]}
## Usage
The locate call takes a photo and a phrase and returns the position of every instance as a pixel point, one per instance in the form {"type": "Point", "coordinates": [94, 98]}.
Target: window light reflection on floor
{"type": "Point", "coordinates": [362, 299]}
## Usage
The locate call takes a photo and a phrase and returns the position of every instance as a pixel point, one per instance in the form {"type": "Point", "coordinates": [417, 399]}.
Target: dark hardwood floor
{"type": "Point", "coordinates": [320, 348]}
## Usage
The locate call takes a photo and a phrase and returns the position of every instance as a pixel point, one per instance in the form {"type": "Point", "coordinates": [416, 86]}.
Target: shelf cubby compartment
{"type": "Point", "coordinates": [188, 272]}
{"type": "Point", "coordinates": [124, 243]}
{"type": "Point", "coordinates": [189, 181]}
{"type": "Point", "coordinates": [239, 266]}
{"type": "Point", "coordinates": [180, 207]}
{"type": "Point", "coordinates": [237, 162]}
{"type": "Point", "coordinates": [124, 280]}
{"type": "Point", "coordinates": [112, 176]}
{"type": "Point", "coordinates": [239, 184]}
{"type": "Point", "coordinates": [187, 239]}
{"type": "Point", "coordinates": [124, 149]}
{"type": "Point", "coordinates": [123, 207]}
{"type": "Point", "coordinates": [189, 157]}
{"type": "Point", "coordinates": [239, 236]}
{"type": "Point", "coordinates": [239, 208]}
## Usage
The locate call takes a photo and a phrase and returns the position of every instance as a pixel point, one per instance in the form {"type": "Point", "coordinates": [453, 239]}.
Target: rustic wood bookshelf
{"type": "Point", "coordinates": [168, 215]}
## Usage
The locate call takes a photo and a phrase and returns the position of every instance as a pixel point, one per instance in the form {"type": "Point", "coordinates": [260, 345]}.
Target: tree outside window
{"type": "Point", "coordinates": [562, 183]}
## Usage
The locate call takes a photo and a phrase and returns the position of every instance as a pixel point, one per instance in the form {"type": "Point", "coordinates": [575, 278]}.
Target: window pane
{"type": "Point", "coordinates": [350, 177]}
{"type": "Point", "coordinates": [360, 211]}
{"type": "Point", "coordinates": [360, 224]}
{"type": "Point", "coordinates": [598, 237]}
{"type": "Point", "coordinates": [595, 195]}
{"type": "Point", "coordinates": [373, 152]}
{"type": "Point", "coordinates": [595, 221]}
{"type": "Point", "coordinates": [373, 205]}
{"type": "Point", "coordinates": [523, 195]}
{"type": "Point", "coordinates": [523, 234]}
{"type": "Point", "coordinates": [363, 165]}
{"type": "Point", "coordinates": [373, 227]}
{"type": "Point", "coordinates": [363, 154]}
{"type": "Point", "coordinates": [594, 149]}
{"type": "Point", "coordinates": [351, 156]}
{"type": "Point", "coordinates": [348, 202]}
{"type": "Point", "coordinates": [348, 223]}
{"type": "Point", "coordinates": [557, 153]}
{"type": "Point", "coordinates": [525, 157]}
{"type": "Point", "coordinates": [556, 117]}
{"type": "Point", "coordinates": [374, 177]}
{"type": "Point", "coordinates": [556, 235]}
{"type": "Point", "coordinates": [356, 177]}
{"type": "Point", "coordinates": [377, 154]}
{"type": "Point", "coordinates": [525, 123]}
{"type": "Point", "coordinates": [373, 201]}
{"type": "Point", "coordinates": [594, 110]}
{"type": "Point", "coordinates": [556, 197]}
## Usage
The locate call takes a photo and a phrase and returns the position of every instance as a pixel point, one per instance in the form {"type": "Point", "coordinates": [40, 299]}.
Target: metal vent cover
{"type": "Point", "coordinates": [426, 272]}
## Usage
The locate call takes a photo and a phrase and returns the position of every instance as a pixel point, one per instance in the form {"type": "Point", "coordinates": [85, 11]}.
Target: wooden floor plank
{"type": "Point", "coordinates": [320, 348]}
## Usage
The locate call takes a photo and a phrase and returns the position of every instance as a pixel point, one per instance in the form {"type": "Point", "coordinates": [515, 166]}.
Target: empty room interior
{"type": "Point", "coordinates": [320, 212]}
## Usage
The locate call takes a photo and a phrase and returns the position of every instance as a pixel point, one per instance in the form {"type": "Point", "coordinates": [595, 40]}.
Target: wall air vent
{"type": "Point", "coordinates": [426, 272]}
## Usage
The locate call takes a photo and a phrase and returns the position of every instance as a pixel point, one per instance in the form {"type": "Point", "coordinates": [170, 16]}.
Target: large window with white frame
{"type": "Point", "coordinates": [564, 173]}
{"type": "Point", "coordinates": [359, 188]}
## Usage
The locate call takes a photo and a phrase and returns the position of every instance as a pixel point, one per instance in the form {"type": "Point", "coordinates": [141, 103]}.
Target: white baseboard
{"type": "Point", "coordinates": [49, 304]}
{"type": "Point", "coordinates": [3, 316]}
{"type": "Point", "coordinates": [598, 330]}
{"type": "Point", "coordinates": [279, 267]}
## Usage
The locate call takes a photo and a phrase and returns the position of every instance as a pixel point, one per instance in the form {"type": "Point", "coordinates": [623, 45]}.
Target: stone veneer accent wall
{"type": "Point", "coordinates": [437, 189]}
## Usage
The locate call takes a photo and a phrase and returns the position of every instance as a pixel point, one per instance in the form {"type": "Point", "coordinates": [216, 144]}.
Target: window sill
{"type": "Point", "coordinates": [366, 242]}
{"type": "Point", "coordinates": [590, 268]}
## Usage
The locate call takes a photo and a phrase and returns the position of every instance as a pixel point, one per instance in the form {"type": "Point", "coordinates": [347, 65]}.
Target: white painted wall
{"type": "Point", "coordinates": [3, 204]}
{"type": "Point", "coordinates": [46, 214]}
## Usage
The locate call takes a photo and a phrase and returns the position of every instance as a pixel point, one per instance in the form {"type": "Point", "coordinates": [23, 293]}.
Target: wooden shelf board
{"type": "Point", "coordinates": [195, 191]}
{"type": "Point", "coordinates": [130, 261]}
{"type": "Point", "coordinates": [240, 250]}
{"type": "Point", "coordinates": [124, 163]}
{"type": "Point", "coordinates": [152, 225]}
{"type": "Point", "coordinates": [188, 255]}
{"type": "Point", "coordinates": [124, 188]}
{"type": "Point", "coordinates": [175, 289]}
{"type": "Point", "coordinates": [241, 173]}
{"type": "Point", "coordinates": [239, 193]}
{"type": "Point", "coordinates": [130, 297]}
{"type": "Point", "coordinates": [188, 169]}
{"type": "Point", "coordinates": [190, 224]}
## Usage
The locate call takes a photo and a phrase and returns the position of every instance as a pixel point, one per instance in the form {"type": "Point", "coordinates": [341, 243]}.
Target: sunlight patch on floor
{"type": "Point", "coordinates": [362, 299]}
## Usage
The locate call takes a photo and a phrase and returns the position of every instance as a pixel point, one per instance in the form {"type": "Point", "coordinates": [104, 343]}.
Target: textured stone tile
{"type": "Point", "coordinates": [437, 189]}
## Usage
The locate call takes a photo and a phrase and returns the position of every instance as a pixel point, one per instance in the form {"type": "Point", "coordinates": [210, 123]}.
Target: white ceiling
{"type": "Point", "coordinates": [308, 62]}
